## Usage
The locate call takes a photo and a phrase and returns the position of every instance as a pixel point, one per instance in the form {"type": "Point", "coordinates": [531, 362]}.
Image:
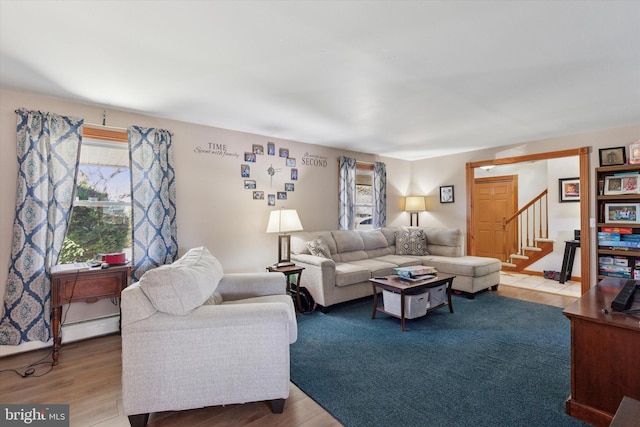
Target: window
{"type": "Point", "coordinates": [101, 217]}
{"type": "Point", "coordinates": [364, 197]}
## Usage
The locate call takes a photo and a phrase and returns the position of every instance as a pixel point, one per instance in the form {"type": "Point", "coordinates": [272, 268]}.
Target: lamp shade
{"type": "Point", "coordinates": [414, 204]}
{"type": "Point", "coordinates": [283, 220]}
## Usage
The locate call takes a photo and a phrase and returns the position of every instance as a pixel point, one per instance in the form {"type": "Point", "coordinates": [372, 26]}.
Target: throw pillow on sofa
{"type": "Point", "coordinates": [186, 284]}
{"type": "Point", "coordinates": [318, 247]}
{"type": "Point", "coordinates": [412, 242]}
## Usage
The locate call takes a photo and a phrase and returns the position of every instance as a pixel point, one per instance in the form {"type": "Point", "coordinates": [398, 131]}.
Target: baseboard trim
{"type": "Point", "coordinates": [90, 328]}
{"type": "Point", "coordinates": [70, 333]}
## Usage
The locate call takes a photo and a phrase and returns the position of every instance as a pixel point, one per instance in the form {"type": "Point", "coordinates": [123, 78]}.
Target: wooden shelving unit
{"type": "Point", "coordinates": [603, 200]}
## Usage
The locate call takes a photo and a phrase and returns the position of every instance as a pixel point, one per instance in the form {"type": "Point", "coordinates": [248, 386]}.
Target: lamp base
{"type": "Point", "coordinates": [411, 218]}
{"type": "Point", "coordinates": [283, 264]}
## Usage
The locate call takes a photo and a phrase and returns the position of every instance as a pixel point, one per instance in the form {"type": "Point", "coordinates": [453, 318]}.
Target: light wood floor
{"type": "Point", "coordinates": [88, 378]}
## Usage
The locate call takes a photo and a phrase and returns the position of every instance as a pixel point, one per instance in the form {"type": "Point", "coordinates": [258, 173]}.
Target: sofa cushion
{"type": "Point", "coordinates": [214, 299]}
{"type": "Point", "coordinates": [373, 239]}
{"type": "Point", "coordinates": [348, 240]}
{"type": "Point", "coordinates": [471, 266]}
{"type": "Point", "coordinates": [186, 284]}
{"type": "Point", "coordinates": [319, 247]}
{"type": "Point", "coordinates": [348, 274]}
{"type": "Point", "coordinates": [412, 242]}
{"type": "Point", "coordinates": [376, 267]}
{"type": "Point", "coordinates": [399, 260]}
{"type": "Point", "coordinates": [444, 241]}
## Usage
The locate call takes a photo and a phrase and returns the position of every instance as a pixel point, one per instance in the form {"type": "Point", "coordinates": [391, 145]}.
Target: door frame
{"type": "Point", "coordinates": [585, 202]}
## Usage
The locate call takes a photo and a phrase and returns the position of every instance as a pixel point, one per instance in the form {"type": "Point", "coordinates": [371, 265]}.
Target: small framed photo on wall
{"type": "Point", "coordinates": [446, 194]}
{"type": "Point", "coordinates": [569, 189]}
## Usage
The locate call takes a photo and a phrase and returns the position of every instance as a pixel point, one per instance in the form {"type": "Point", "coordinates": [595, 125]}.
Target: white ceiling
{"type": "Point", "coordinates": [405, 79]}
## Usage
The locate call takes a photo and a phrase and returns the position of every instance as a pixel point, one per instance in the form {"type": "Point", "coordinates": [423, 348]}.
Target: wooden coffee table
{"type": "Point", "coordinates": [404, 287]}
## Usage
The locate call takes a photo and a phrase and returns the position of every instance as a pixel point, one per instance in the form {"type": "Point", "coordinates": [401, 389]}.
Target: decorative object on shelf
{"type": "Point", "coordinates": [621, 184]}
{"type": "Point", "coordinates": [613, 156]}
{"type": "Point", "coordinates": [569, 189]}
{"type": "Point", "coordinates": [446, 194]}
{"type": "Point", "coordinates": [414, 205]}
{"type": "Point", "coordinates": [634, 152]}
{"type": "Point", "coordinates": [621, 212]}
{"type": "Point", "coordinates": [284, 221]}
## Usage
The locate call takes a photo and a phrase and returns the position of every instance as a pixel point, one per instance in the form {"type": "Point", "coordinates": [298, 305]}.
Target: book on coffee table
{"type": "Point", "coordinates": [418, 278]}
{"type": "Point", "coordinates": [415, 271]}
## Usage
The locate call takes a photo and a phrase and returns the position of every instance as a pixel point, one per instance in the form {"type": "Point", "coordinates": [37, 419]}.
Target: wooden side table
{"type": "Point", "coordinates": [91, 285]}
{"type": "Point", "coordinates": [288, 271]}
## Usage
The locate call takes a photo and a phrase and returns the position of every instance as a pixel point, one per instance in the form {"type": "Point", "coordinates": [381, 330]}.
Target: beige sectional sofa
{"type": "Point", "coordinates": [349, 258]}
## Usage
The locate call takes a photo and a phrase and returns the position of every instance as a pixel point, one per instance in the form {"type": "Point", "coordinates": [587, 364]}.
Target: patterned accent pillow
{"type": "Point", "coordinates": [412, 242]}
{"type": "Point", "coordinates": [319, 247]}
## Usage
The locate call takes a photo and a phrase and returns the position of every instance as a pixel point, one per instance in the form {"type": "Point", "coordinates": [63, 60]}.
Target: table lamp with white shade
{"type": "Point", "coordinates": [414, 205]}
{"type": "Point", "coordinates": [284, 221]}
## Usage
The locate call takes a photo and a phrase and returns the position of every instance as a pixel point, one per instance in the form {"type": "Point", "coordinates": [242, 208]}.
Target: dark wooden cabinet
{"type": "Point", "coordinates": [604, 355]}
{"type": "Point", "coordinates": [89, 286]}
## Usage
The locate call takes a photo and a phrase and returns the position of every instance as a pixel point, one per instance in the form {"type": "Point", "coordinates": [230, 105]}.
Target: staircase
{"type": "Point", "coordinates": [526, 234]}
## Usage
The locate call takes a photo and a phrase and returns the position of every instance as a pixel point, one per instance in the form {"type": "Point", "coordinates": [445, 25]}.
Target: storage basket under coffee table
{"type": "Point", "coordinates": [405, 288]}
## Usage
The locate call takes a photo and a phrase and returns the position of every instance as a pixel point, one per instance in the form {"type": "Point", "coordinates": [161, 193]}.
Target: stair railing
{"type": "Point", "coordinates": [524, 227]}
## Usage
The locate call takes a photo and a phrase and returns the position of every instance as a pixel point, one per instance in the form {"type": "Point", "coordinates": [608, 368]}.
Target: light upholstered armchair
{"type": "Point", "coordinates": [195, 337]}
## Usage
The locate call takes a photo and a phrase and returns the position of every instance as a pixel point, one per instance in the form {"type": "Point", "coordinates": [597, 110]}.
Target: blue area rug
{"type": "Point", "coordinates": [494, 362]}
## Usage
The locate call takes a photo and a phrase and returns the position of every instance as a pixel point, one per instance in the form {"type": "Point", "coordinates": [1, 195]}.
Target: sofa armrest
{"type": "Point", "coordinates": [246, 285]}
{"type": "Point", "coordinates": [313, 260]}
{"type": "Point", "coordinates": [319, 276]}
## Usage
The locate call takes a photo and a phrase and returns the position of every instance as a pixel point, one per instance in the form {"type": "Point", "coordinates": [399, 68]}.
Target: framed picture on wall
{"type": "Point", "coordinates": [446, 194]}
{"type": "Point", "coordinates": [613, 156]}
{"type": "Point", "coordinates": [569, 189]}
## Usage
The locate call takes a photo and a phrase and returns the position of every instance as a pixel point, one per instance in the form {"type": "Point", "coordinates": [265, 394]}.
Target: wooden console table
{"type": "Point", "coordinates": [87, 285]}
{"type": "Point", "coordinates": [605, 345]}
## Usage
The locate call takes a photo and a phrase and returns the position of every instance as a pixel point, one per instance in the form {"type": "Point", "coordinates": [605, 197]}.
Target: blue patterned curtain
{"type": "Point", "coordinates": [347, 193]}
{"type": "Point", "coordinates": [379, 195]}
{"type": "Point", "coordinates": [153, 193]}
{"type": "Point", "coordinates": [48, 150]}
